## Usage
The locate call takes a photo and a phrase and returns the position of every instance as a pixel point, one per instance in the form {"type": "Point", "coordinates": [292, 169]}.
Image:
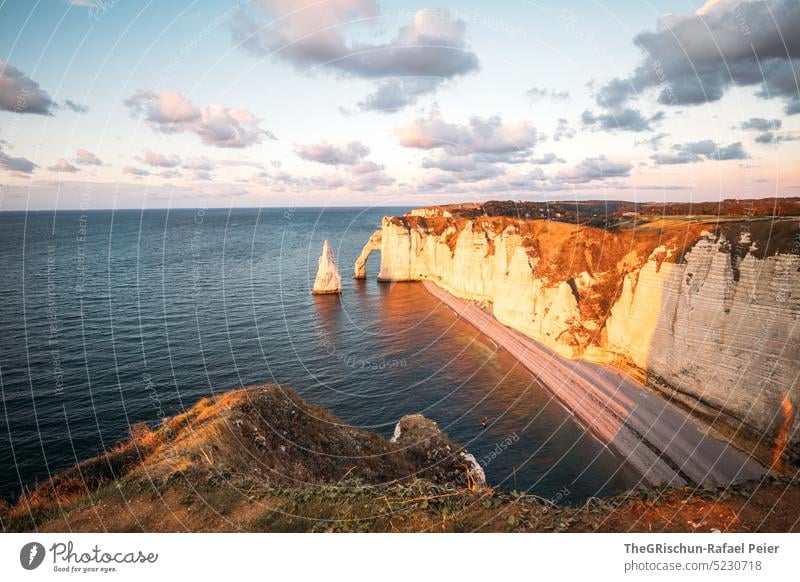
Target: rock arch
{"type": "Point", "coordinates": [373, 244]}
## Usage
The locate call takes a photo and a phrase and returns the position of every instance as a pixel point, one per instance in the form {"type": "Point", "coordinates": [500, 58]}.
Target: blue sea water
{"type": "Point", "coordinates": [113, 318]}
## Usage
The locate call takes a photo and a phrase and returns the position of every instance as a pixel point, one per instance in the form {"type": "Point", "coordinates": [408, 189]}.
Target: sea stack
{"type": "Point", "coordinates": [328, 280]}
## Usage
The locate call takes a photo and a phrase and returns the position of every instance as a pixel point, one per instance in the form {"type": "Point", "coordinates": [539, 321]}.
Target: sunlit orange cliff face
{"type": "Point", "coordinates": [703, 309]}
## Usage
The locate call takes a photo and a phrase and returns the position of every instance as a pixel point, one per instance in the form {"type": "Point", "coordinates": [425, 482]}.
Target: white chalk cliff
{"type": "Point", "coordinates": [710, 322]}
{"type": "Point", "coordinates": [327, 280]}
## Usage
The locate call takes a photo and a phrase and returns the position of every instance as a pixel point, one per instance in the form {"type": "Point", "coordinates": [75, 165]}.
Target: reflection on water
{"type": "Point", "coordinates": [417, 356]}
{"type": "Point", "coordinates": [177, 308]}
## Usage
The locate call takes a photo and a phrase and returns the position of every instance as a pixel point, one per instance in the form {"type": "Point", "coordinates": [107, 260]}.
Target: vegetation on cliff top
{"type": "Point", "coordinates": [261, 459]}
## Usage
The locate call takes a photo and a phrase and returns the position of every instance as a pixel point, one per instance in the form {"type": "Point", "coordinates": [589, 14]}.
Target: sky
{"type": "Point", "coordinates": [289, 103]}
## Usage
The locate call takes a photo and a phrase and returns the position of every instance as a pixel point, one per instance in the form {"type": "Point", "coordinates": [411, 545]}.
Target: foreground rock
{"type": "Point", "coordinates": [422, 436]}
{"type": "Point", "coordinates": [328, 281]}
{"type": "Point", "coordinates": [262, 459]}
{"type": "Point", "coordinates": [264, 436]}
{"type": "Point", "coordinates": [705, 312]}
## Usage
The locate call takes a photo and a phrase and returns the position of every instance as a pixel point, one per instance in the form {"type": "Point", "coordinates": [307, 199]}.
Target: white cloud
{"type": "Point", "coordinates": [334, 154]}
{"type": "Point", "coordinates": [155, 159]}
{"type": "Point", "coordinates": [480, 136]}
{"type": "Point", "coordinates": [698, 151]}
{"type": "Point", "coordinates": [310, 34]}
{"type": "Point", "coordinates": [598, 168]}
{"type": "Point", "coordinates": [217, 125]}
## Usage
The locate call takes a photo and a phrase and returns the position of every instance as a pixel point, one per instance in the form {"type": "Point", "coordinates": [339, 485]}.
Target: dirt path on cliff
{"type": "Point", "coordinates": [654, 436]}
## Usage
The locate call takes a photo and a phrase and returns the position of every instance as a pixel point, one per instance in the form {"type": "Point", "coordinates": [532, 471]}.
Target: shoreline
{"type": "Point", "coordinates": [654, 436]}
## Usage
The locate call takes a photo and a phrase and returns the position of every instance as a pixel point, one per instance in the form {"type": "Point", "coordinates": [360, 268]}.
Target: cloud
{"type": "Point", "coordinates": [326, 182]}
{"type": "Point", "coordinates": [480, 136]}
{"type": "Point", "coordinates": [87, 158]}
{"type": "Point", "coordinates": [548, 158]}
{"type": "Point", "coordinates": [451, 163]}
{"type": "Point", "coordinates": [563, 130]}
{"type": "Point", "coordinates": [364, 167]}
{"type": "Point", "coordinates": [157, 160]}
{"type": "Point", "coordinates": [598, 168]}
{"type": "Point", "coordinates": [624, 119]}
{"type": "Point", "coordinates": [334, 154]}
{"type": "Point", "coordinates": [767, 137]}
{"type": "Point", "coordinates": [134, 171]}
{"type": "Point", "coordinates": [371, 181]}
{"type": "Point", "coordinates": [654, 141]}
{"type": "Point", "coordinates": [201, 176]}
{"type": "Point", "coordinates": [363, 176]}
{"type": "Point", "coordinates": [20, 94]}
{"type": "Point", "coordinates": [76, 107]}
{"type": "Point", "coordinates": [394, 94]}
{"type": "Point", "coordinates": [695, 58]}
{"type": "Point", "coordinates": [454, 169]}
{"type": "Point", "coordinates": [63, 165]}
{"type": "Point", "coordinates": [309, 34]}
{"type": "Point", "coordinates": [480, 173]}
{"type": "Point", "coordinates": [16, 164]}
{"type": "Point", "coordinates": [761, 124]}
{"type": "Point", "coordinates": [490, 181]}
{"type": "Point", "coordinates": [539, 93]}
{"type": "Point", "coordinates": [199, 164]}
{"type": "Point", "coordinates": [217, 125]}
{"type": "Point", "coordinates": [698, 151]}
{"type": "Point", "coordinates": [770, 137]}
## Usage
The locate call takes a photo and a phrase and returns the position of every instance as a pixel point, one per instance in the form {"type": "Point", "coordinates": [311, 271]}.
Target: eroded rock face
{"type": "Point", "coordinates": [328, 280]}
{"type": "Point", "coordinates": [731, 343]}
{"type": "Point", "coordinates": [443, 460]}
{"type": "Point", "coordinates": [714, 322]}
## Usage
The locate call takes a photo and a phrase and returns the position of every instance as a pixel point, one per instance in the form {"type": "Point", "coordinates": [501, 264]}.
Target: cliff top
{"type": "Point", "coordinates": [262, 459]}
{"type": "Point", "coordinates": [603, 212]}
{"type": "Point", "coordinates": [772, 225]}
{"type": "Point", "coordinates": [266, 435]}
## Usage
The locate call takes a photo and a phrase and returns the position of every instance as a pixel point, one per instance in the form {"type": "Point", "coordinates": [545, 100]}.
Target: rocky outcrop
{"type": "Point", "coordinates": [328, 280]}
{"type": "Point", "coordinates": [373, 244]}
{"type": "Point", "coordinates": [707, 314]}
{"type": "Point", "coordinates": [271, 434]}
{"type": "Point", "coordinates": [426, 441]}
{"type": "Point", "coordinates": [261, 459]}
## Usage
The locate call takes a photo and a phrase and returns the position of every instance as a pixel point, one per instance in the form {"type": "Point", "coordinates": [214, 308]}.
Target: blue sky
{"type": "Point", "coordinates": [356, 102]}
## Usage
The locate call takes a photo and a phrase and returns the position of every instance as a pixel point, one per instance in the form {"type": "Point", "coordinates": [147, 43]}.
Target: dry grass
{"type": "Point", "coordinates": [220, 467]}
{"type": "Point", "coordinates": [261, 436]}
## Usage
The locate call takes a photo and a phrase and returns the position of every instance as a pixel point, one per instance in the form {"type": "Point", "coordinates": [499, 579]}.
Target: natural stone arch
{"type": "Point", "coordinates": [373, 244]}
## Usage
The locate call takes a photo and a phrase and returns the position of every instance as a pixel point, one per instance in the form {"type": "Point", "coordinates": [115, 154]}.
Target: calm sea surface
{"type": "Point", "coordinates": [108, 319]}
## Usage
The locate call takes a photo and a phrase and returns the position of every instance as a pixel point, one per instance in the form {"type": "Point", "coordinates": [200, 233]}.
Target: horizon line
{"type": "Point", "coordinates": [350, 206]}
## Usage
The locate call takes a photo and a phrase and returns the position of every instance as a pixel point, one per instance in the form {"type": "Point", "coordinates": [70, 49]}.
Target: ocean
{"type": "Point", "coordinates": [110, 318]}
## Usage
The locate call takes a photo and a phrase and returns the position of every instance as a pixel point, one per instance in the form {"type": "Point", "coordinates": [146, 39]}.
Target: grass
{"type": "Point", "coordinates": [203, 472]}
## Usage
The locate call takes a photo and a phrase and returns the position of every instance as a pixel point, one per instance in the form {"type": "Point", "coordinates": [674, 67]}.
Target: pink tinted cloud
{"type": "Point", "coordinates": [217, 125]}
